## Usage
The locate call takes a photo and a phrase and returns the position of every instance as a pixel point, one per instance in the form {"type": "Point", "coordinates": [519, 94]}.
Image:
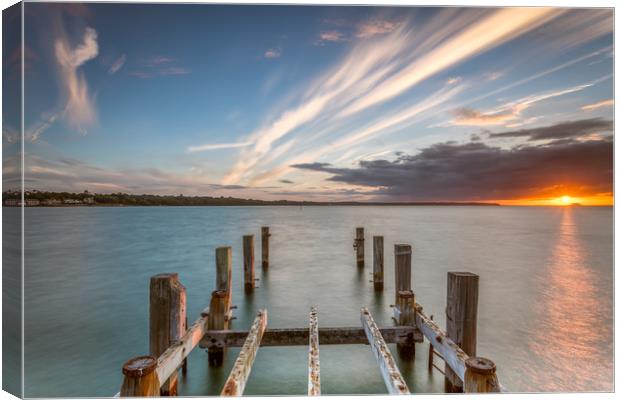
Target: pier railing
{"type": "Point", "coordinates": [171, 340]}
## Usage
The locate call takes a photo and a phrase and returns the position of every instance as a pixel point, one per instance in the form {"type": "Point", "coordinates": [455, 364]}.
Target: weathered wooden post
{"type": "Point", "coordinates": [139, 378]}
{"type": "Point", "coordinates": [314, 365]}
{"type": "Point", "coordinates": [406, 317]}
{"type": "Point", "coordinates": [358, 245]}
{"type": "Point", "coordinates": [461, 319]}
{"type": "Point", "coordinates": [167, 319]}
{"type": "Point", "coordinates": [402, 271]}
{"type": "Point", "coordinates": [248, 262]}
{"type": "Point", "coordinates": [265, 246]}
{"type": "Point", "coordinates": [223, 280]}
{"type": "Point", "coordinates": [480, 376]}
{"type": "Point", "coordinates": [218, 320]}
{"type": "Point", "coordinates": [377, 266]}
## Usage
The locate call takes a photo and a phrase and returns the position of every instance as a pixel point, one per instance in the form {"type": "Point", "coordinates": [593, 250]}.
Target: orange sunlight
{"type": "Point", "coordinates": [603, 199]}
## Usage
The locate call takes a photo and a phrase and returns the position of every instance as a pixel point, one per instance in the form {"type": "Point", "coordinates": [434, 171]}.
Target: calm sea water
{"type": "Point", "coordinates": [545, 308]}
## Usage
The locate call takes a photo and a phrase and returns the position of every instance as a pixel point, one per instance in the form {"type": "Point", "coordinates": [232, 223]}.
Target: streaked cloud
{"type": "Point", "coordinates": [216, 146]}
{"type": "Point", "coordinates": [80, 110]}
{"type": "Point", "coordinates": [160, 66]}
{"type": "Point", "coordinates": [564, 130]}
{"type": "Point", "coordinates": [117, 64]}
{"type": "Point", "coordinates": [332, 36]}
{"type": "Point", "coordinates": [599, 104]}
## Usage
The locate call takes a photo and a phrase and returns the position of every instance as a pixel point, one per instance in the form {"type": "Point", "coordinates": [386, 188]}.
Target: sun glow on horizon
{"type": "Point", "coordinates": [566, 200]}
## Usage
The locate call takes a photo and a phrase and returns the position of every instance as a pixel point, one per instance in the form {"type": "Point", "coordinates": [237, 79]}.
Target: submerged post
{"type": "Point", "coordinates": [167, 319]}
{"type": "Point", "coordinates": [248, 262]}
{"type": "Point", "coordinates": [461, 319]}
{"type": "Point", "coordinates": [265, 246]}
{"type": "Point", "coordinates": [217, 320]}
{"type": "Point", "coordinates": [139, 378]}
{"type": "Point", "coordinates": [223, 280]}
{"type": "Point", "coordinates": [480, 376]}
{"type": "Point", "coordinates": [377, 266]}
{"type": "Point", "coordinates": [358, 245]}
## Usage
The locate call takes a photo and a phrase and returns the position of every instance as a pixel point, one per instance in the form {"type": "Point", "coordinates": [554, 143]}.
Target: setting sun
{"type": "Point", "coordinates": [566, 199]}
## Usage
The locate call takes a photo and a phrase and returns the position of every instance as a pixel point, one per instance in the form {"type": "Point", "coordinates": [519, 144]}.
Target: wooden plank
{"type": "Point", "coordinates": [167, 319]}
{"type": "Point", "coordinates": [300, 336]}
{"type": "Point", "coordinates": [314, 366]}
{"type": "Point", "coordinates": [170, 361]}
{"type": "Point", "coordinates": [452, 354]}
{"type": "Point", "coordinates": [461, 319]}
{"type": "Point", "coordinates": [377, 265]}
{"type": "Point", "coordinates": [235, 384]}
{"type": "Point", "coordinates": [389, 370]}
{"type": "Point", "coordinates": [248, 263]}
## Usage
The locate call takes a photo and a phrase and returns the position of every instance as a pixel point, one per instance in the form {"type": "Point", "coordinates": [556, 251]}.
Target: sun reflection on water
{"type": "Point", "coordinates": [568, 341]}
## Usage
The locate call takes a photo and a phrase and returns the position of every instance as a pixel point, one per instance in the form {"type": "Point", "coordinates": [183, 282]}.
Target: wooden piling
{"type": "Point", "coordinates": [461, 319]}
{"type": "Point", "coordinates": [248, 262]}
{"type": "Point", "coordinates": [358, 244]}
{"type": "Point", "coordinates": [314, 365]}
{"type": "Point", "coordinates": [217, 321]}
{"type": "Point", "coordinates": [377, 266]}
{"type": "Point", "coordinates": [480, 376]}
{"type": "Point", "coordinates": [402, 272]}
{"type": "Point", "coordinates": [139, 378]}
{"type": "Point", "coordinates": [235, 384]}
{"type": "Point", "coordinates": [223, 280]}
{"type": "Point", "coordinates": [167, 319]}
{"type": "Point", "coordinates": [265, 246]}
{"type": "Point", "coordinates": [406, 317]}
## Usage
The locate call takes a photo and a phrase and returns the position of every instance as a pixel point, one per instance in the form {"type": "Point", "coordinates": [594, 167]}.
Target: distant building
{"type": "Point", "coordinates": [89, 200]}
{"type": "Point", "coordinates": [72, 201]}
{"type": "Point", "coordinates": [12, 202]}
{"type": "Point", "coordinates": [51, 202]}
{"type": "Point", "coordinates": [32, 202]}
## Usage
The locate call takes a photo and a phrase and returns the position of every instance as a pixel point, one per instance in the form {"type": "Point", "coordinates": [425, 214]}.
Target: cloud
{"type": "Point", "coordinates": [564, 130]}
{"type": "Point", "coordinates": [375, 27]}
{"type": "Point", "coordinates": [492, 76]}
{"type": "Point", "coordinates": [272, 53]}
{"type": "Point", "coordinates": [600, 104]}
{"type": "Point", "coordinates": [477, 171]}
{"type": "Point", "coordinates": [80, 109]}
{"type": "Point", "coordinates": [286, 181]}
{"type": "Point", "coordinates": [117, 65]}
{"type": "Point", "coordinates": [332, 36]}
{"type": "Point", "coordinates": [468, 116]}
{"type": "Point", "coordinates": [453, 80]}
{"type": "Point", "coordinates": [217, 146]}
{"type": "Point", "coordinates": [160, 66]}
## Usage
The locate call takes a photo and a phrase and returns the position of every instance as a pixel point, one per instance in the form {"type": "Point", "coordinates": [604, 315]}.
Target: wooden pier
{"type": "Point", "coordinates": [171, 340]}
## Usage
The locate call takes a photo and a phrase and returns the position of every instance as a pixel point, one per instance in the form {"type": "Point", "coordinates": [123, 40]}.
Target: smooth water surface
{"type": "Point", "coordinates": [545, 308]}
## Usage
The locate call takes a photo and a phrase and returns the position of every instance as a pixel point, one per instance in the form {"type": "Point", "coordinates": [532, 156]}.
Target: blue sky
{"type": "Point", "coordinates": [312, 102]}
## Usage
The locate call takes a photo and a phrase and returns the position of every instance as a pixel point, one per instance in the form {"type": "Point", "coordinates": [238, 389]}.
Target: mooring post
{"type": "Point", "coordinates": [377, 266]}
{"type": "Point", "coordinates": [248, 262]}
{"type": "Point", "coordinates": [461, 319]}
{"type": "Point", "coordinates": [358, 245]}
{"type": "Point", "coordinates": [314, 364]}
{"type": "Point", "coordinates": [167, 319]}
{"type": "Point", "coordinates": [218, 320]}
{"type": "Point", "coordinates": [480, 376]}
{"type": "Point", "coordinates": [223, 280]}
{"type": "Point", "coordinates": [139, 378]}
{"type": "Point", "coordinates": [265, 246]}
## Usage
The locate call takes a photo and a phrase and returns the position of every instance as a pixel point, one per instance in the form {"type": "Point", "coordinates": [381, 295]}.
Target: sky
{"type": "Point", "coordinates": [321, 103]}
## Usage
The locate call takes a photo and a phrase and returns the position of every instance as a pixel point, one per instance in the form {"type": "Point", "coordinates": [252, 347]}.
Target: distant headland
{"type": "Point", "coordinates": [35, 198]}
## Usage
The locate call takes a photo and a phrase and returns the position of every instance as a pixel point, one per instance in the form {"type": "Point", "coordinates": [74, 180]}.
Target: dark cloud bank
{"type": "Point", "coordinates": [482, 171]}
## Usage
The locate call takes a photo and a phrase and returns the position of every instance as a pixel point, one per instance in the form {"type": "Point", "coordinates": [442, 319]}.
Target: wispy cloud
{"type": "Point", "coordinates": [80, 109]}
{"type": "Point", "coordinates": [160, 66]}
{"type": "Point", "coordinates": [375, 27]}
{"type": "Point", "coordinates": [272, 53]}
{"type": "Point", "coordinates": [599, 104]}
{"type": "Point", "coordinates": [117, 65]}
{"type": "Point", "coordinates": [377, 70]}
{"type": "Point", "coordinates": [332, 36]}
{"type": "Point", "coordinates": [217, 146]}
